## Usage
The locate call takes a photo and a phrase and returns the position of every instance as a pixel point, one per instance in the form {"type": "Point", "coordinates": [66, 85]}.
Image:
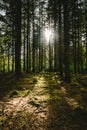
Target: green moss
{"type": "Point", "coordinates": [3, 118]}
{"type": "Point", "coordinates": [14, 93]}
{"type": "Point", "coordinates": [33, 103]}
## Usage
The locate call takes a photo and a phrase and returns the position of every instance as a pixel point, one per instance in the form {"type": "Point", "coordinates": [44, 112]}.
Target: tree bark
{"type": "Point", "coordinates": [18, 37]}
{"type": "Point", "coordinates": [66, 42]}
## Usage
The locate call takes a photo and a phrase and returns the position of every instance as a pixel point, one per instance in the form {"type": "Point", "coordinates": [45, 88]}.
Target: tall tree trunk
{"type": "Point", "coordinates": [33, 44]}
{"type": "Point", "coordinates": [8, 59]}
{"type": "Point", "coordinates": [60, 42]}
{"type": "Point", "coordinates": [24, 54]}
{"type": "Point", "coordinates": [39, 43]}
{"type": "Point", "coordinates": [78, 44]}
{"type": "Point", "coordinates": [66, 41]}
{"type": "Point", "coordinates": [86, 32]}
{"type": "Point", "coordinates": [55, 48]}
{"type": "Point", "coordinates": [74, 55]}
{"type": "Point", "coordinates": [28, 38]}
{"type": "Point", "coordinates": [18, 37]}
{"type": "Point", "coordinates": [50, 47]}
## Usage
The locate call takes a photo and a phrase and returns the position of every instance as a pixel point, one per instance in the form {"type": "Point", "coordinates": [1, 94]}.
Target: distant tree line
{"type": "Point", "coordinates": [24, 47]}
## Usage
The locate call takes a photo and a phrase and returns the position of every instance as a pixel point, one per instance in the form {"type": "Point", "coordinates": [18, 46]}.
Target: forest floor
{"type": "Point", "coordinates": [42, 101]}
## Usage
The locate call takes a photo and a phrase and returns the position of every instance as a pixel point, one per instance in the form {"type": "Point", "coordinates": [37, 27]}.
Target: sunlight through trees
{"type": "Point", "coordinates": [43, 36]}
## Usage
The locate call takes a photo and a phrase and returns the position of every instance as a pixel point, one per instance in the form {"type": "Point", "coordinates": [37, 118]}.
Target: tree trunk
{"type": "Point", "coordinates": [66, 42]}
{"type": "Point", "coordinates": [60, 42]}
{"type": "Point", "coordinates": [18, 37]}
{"type": "Point", "coordinates": [86, 32]}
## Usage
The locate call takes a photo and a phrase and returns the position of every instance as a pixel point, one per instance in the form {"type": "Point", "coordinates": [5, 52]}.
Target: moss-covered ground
{"type": "Point", "coordinates": [42, 101]}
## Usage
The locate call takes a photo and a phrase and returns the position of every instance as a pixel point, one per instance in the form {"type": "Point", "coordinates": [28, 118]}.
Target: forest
{"type": "Point", "coordinates": [43, 65]}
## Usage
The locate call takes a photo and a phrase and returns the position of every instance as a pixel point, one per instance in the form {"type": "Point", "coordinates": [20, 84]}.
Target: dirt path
{"type": "Point", "coordinates": [44, 104]}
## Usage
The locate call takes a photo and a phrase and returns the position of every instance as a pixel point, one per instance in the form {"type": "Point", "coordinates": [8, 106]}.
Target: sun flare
{"type": "Point", "coordinates": [47, 34]}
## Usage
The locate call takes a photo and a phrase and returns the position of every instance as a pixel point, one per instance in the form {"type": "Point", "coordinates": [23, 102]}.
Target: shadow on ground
{"type": "Point", "coordinates": [67, 107]}
{"type": "Point", "coordinates": [42, 102]}
{"type": "Point", "coordinates": [11, 86]}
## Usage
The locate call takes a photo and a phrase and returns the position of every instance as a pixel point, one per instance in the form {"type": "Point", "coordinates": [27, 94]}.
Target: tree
{"type": "Point", "coordinates": [66, 40]}
{"type": "Point", "coordinates": [18, 37]}
{"type": "Point", "coordinates": [60, 40]}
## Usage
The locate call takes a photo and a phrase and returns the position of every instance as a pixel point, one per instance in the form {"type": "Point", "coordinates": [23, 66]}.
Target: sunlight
{"type": "Point", "coordinates": [47, 34]}
{"type": "Point", "coordinates": [72, 102]}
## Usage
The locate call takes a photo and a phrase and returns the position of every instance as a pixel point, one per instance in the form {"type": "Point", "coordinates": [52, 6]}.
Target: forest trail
{"type": "Point", "coordinates": [42, 102]}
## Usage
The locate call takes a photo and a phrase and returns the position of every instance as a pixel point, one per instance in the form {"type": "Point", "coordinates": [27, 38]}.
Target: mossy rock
{"type": "Point", "coordinates": [14, 93]}
{"type": "Point", "coordinates": [27, 93]}
{"type": "Point", "coordinates": [33, 103]}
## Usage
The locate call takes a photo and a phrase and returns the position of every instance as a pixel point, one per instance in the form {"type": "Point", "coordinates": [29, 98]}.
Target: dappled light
{"type": "Point", "coordinates": [42, 101]}
{"type": "Point", "coordinates": [43, 65]}
{"type": "Point", "coordinates": [63, 90]}
{"type": "Point", "coordinates": [72, 102]}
